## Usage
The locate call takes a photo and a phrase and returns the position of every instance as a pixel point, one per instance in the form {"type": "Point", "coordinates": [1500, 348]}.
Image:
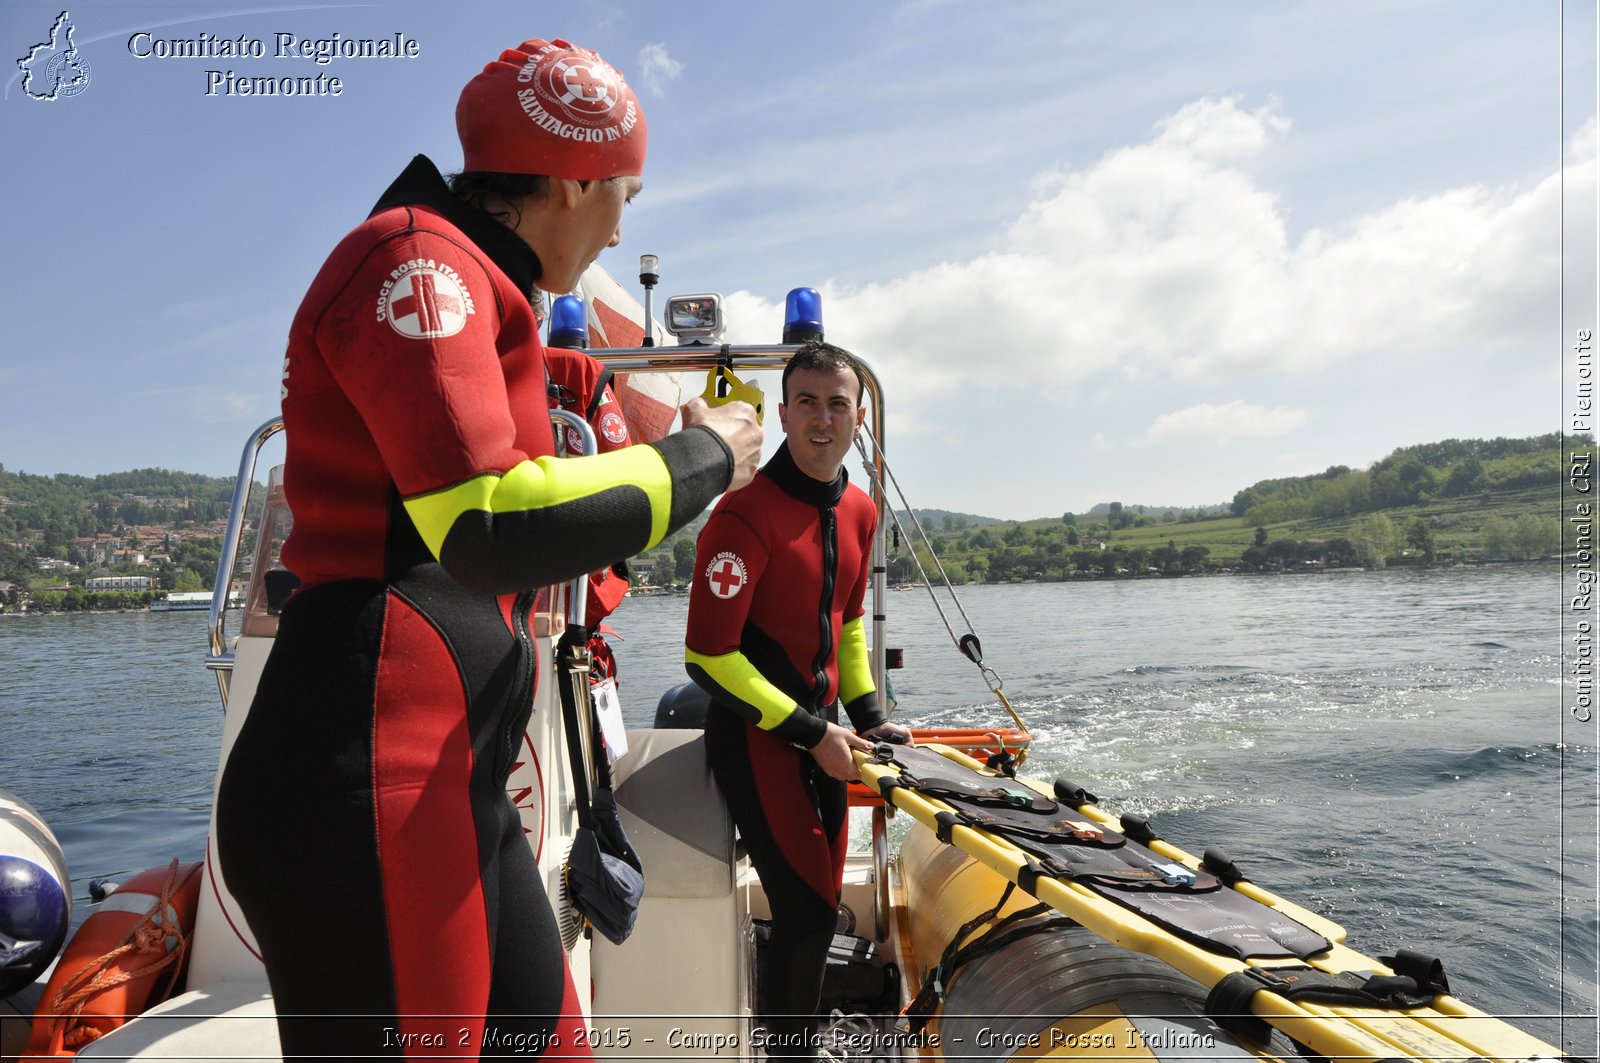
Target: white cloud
{"type": "Point", "coordinates": [1216, 130]}
{"type": "Point", "coordinates": [1170, 258]}
{"type": "Point", "coordinates": [657, 67]}
{"type": "Point", "coordinates": [1224, 424]}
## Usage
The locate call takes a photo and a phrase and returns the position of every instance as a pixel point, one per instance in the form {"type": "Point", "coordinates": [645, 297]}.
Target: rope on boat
{"type": "Point", "coordinates": [148, 936]}
{"type": "Point", "coordinates": [968, 644]}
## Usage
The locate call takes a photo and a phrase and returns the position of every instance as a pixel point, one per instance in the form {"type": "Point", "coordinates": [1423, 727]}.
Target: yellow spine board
{"type": "Point", "coordinates": [1448, 1030]}
{"type": "Point", "coordinates": [946, 888]}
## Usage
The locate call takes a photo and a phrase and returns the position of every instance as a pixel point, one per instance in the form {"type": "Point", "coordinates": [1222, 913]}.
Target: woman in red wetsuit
{"type": "Point", "coordinates": [362, 819]}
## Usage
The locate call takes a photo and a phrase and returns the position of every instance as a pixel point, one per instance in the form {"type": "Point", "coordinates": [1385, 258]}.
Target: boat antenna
{"type": "Point", "coordinates": [968, 644]}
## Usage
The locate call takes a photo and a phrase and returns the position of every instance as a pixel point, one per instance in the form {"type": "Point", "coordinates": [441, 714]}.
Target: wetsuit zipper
{"type": "Point", "coordinates": [522, 690]}
{"type": "Point", "coordinates": [830, 564]}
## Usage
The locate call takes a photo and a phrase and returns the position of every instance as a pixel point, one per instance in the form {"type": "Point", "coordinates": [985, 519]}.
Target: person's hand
{"type": "Point", "coordinates": [833, 752]}
{"type": "Point", "coordinates": [889, 731]}
{"type": "Point", "coordinates": [736, 423]}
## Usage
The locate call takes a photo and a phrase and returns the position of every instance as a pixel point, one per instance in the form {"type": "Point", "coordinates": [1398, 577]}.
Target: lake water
{"type": "Point", "coordinates": [1389, 749]}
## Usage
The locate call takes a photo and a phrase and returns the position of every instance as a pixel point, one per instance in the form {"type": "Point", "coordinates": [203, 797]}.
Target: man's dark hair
{"type": "Point", "coordinates": [824, 357]}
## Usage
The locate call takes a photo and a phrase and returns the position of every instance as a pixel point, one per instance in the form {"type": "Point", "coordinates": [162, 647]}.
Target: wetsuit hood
{"type": "Point", "coordinates": [421, 184]}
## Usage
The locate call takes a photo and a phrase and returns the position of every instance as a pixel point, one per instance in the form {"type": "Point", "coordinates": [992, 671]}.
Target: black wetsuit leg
{"type": "Point", "coordinates": [793, 819]}
{"type": "Point", "coordinates": [364, 828]}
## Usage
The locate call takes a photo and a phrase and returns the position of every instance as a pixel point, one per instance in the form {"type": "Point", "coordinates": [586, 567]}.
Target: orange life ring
{"type": "Point", "coordinates": [125, 957]}
{"type": "Point", "coordinates": [974, 739]}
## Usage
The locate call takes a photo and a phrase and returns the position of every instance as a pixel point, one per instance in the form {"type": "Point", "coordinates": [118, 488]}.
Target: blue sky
{"type": "Point", "coordinates": [1145, 252]}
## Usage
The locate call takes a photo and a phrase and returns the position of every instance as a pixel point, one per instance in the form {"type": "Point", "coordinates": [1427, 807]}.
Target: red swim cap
{"type": "Point", "coordinates": [549, 107]}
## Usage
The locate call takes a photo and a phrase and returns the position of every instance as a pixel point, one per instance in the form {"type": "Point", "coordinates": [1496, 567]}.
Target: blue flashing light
{"type": "Point", "coordinates": [802, 316]}
{"type": "Point", "coordinates": [569, 322]}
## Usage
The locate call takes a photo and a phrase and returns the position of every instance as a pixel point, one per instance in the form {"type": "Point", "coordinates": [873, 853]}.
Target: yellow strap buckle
{"type": "Point", "coordinates": [722, 386]}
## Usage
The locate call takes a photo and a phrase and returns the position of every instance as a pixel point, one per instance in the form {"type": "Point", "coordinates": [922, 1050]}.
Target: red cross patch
{"type": "Point", "coordinates": [726, 575]}
{"type": "Point", "coordinates": [613, 427]}
{"type": "Point", "coordinates": [426, 303]}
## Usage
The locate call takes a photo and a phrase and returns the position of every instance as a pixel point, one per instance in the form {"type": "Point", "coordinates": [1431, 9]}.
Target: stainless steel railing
{"type": "Point", "coordinates": [687, 358]}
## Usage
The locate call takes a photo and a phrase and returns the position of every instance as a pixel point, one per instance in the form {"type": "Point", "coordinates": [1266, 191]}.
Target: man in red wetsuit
{"type": "Point", "coordinates": [362, 820]}
{"type": "Point", "coordinates": [776, 636]}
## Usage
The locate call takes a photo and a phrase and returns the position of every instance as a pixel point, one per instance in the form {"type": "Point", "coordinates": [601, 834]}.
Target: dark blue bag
{"type": "Point", "coordinates": [604, 876]}
{"type": "Point", "coordinates": [605, 880]}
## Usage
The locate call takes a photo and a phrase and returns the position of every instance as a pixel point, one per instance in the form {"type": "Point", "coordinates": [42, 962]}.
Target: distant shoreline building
{"type": "Point", "coordinates": [119, 583]}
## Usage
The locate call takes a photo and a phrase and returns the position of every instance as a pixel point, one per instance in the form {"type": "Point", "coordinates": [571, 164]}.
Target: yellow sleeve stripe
{"type": "Point", "coordinates": [855, 663]}
{"type": "Point", "coordinates": [546, 482]}
{"type": "Point", "coordinates": [738, 678]}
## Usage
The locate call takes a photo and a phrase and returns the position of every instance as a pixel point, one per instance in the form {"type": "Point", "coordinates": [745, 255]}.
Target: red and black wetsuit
{"type": "Point", "coordinates": [776, 636]}
{"type": "Point", "coordinates": [362, 819]}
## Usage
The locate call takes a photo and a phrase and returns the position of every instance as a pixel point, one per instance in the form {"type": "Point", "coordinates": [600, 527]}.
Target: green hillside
{"type": "Point", "coordinates": [1451, 501]}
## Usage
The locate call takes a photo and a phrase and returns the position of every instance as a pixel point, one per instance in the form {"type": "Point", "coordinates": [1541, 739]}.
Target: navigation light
{"type": "Point", "coordinates": [802, 316]}
{"type": "Point", "coordinates": [569, 322]}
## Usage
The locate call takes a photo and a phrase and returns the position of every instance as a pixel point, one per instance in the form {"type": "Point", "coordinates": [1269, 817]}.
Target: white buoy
{"type": "Point", "coordinates": [35, 895]}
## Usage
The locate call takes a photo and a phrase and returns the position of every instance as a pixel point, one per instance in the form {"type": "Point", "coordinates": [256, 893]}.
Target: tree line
{"type": "Point", "coordinates": [1387, 513]}
{"type": "Point", "coordinates": [1410, 476]}
{"type": "Point", "coordinates": [1456, 500]}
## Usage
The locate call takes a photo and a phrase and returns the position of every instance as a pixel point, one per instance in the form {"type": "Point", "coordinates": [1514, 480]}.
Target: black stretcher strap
{"type": "Point", "coordinates": [1228, 1003]}
{"type": "Point", "coordinates": [1420, 967]}
{"type": "Point", "coordinates": [1138, 828]}
{"type": "Point", "coordinates": [1071, 794]}
{"type": "Point", "coordinates": [1219, 864]}
{"type": "Point", "coordinates": [999, 797]}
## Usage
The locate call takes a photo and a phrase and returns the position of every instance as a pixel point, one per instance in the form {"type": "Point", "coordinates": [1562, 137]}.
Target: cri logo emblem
{"type": "Point", "coordinates": [726, 574]}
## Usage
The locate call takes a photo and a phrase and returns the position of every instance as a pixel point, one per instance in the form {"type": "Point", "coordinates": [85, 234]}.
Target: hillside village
{"type": "Point", "coordinates": [125, 540]}
{"type": "Point", "coordinates": [66, 546]}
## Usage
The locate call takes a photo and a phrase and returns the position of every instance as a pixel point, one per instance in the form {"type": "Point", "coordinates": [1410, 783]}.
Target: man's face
{"type": "Point", "coordinates": [819, 418]}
